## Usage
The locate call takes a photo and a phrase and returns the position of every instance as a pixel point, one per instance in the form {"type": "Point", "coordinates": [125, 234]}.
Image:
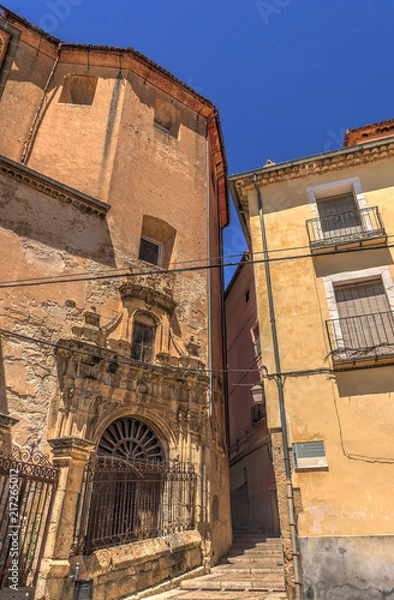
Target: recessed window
{"type": "Point", "coordinates": [167, 118]}
{"type": "Point", "coordinates": [149, 251]}
{"type": "Point", "coordinates": [366, 322]}
{"type": "Point", "coordinates": [78, 89]}
{"type": "Point", "coordinates": [247, 296]}
{"type": "Point", "coordinates": [156, 242]}
{"type": "Point", "coordinates": [143, 341]}
{"type": "Point", "coordinates": [256, 340]}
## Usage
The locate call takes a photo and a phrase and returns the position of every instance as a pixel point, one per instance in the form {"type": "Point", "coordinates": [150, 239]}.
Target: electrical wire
{"type": "Point", "coordinates": [89, 277]}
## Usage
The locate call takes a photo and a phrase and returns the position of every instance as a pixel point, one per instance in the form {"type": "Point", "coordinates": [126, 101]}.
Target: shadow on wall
{"type": "Point", "coordinates": [5, 442]}
{"type": "Point", "coordinates": [35, 217]}
{"type": "Point", "coordinates": [352, 261]}
{"type": "Point", "coordinates": [360, 382]}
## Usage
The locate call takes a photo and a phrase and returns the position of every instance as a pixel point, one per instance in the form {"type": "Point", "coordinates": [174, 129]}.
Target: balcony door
{"type": "Point", "coordinates": [339, 217]}
{"type": "Point", "coordinates": [366, 319]}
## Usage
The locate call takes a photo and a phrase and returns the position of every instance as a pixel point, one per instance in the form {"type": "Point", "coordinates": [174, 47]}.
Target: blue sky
{"type": "Point", "coordinates": [288, 76]}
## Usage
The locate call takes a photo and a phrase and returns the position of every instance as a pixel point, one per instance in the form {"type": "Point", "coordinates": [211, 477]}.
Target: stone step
{"type": "Point", "coordinates": [237, 570]}
{"type": "Point", "coordinates": [209, 582]}
{"type": "Point", "coordinates": [257, 546]}
{"type": "Point", "coordinates": [253, 560]}
{"type": "Point", "coordinates": [261, 551]}
{"type": "Point", "coordinates": [218, 595]}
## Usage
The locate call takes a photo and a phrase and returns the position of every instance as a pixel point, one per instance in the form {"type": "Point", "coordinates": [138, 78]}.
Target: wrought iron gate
{"type": "Point", "coordinates": [27, 485]}
{"type": "Point", "coordinates": [123, 501]}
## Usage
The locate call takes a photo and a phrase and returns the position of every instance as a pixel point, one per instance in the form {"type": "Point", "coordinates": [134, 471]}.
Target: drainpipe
{"type": "Point", "coordinates": [208, 224]}
{"type": "Point", "coordinates": [279, 382]}
{"type": "Point", "coordinates": [33, 129]}
{"type": "Point", "coordinates": [11, 51]}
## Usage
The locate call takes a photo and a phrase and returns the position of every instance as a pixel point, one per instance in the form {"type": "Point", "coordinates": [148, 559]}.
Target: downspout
{"type": "Point", "coordinates": [11, 52]}
{"type": "Point", "coordinates": [279, 382]}
{"type": "Point", "coordinates": [33, 129]}
{"type": "Point", "coordinates": [209, 286]}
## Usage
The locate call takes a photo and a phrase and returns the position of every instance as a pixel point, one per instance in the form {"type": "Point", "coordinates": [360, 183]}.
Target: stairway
{"type": "Point", "coordinates": [253, 570]}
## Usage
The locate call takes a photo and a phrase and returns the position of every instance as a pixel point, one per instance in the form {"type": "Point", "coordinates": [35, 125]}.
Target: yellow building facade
{"type": "Point", "coordinates": [321, 231]}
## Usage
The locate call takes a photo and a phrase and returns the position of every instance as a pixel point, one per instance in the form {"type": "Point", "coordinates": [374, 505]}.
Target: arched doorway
{"type": "Point", "coordinates": [130, 492]}
{"type": "Point", "coordinates": [125, 485]}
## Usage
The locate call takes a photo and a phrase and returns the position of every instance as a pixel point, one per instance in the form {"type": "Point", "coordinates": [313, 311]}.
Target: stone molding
{"type": "Point", "coordinates": [314, 165]}
{"type": "Point", "coordinates": [71, 448]}
{"type": "Point", "coordinates": [54, 189]}
{"type": "Point", "coordinates": [151, 296]}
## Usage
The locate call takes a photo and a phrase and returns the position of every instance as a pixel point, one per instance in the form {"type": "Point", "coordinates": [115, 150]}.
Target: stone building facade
{"type": "Point", "coordinates": [113, 198]}
{"type": "Point", "coordinates": [252, 479]}
{"type": "Point", "coordinates": [321, 231]}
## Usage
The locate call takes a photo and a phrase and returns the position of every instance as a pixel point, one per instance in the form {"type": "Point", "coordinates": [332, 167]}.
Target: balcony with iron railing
{"type": "Point", "coordinates": [357, 228]}
{"type": "Point", "coordinates": [362, 339]}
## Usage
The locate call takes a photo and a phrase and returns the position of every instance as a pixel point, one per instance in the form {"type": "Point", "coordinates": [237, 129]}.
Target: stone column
{"type": "Point", "coordinates": [6, 423]}
{"type": "Point", "coordinates": [71, 455]}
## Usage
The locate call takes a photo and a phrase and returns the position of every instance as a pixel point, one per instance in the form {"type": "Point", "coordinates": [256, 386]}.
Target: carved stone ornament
{"type": "Point", "coordinates": [152, 296]}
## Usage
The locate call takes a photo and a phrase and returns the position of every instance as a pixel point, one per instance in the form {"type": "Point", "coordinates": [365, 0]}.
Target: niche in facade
{"type": "Point", "coordinates": [3, 46]}
{"type": "Point", "coordinates": [167, 118]}
{"type": "Point", "coordinates": [157, 241]}
{"type": "Point", "coordinates": [78, 89]}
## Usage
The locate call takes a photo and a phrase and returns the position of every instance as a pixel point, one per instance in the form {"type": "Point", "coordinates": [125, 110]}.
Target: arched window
{"type": "Point", "coordinates": [143, 339]}
{"type": "Point", "coordinates": [130, 439]}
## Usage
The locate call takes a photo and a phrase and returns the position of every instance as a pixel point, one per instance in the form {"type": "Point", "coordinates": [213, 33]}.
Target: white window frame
{"type": "Point", "coordinates": [159, 254]}
{"type": "Point", "coordinates": [330, 281]}
{"type": "Point", "coordinates": [336, 188]}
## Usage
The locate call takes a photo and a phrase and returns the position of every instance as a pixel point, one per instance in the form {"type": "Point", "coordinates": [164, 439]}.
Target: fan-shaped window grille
{"type": "Point", "coordinates": [131, 440]}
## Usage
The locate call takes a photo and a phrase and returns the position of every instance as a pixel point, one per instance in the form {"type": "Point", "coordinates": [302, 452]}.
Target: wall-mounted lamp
{"type": "Point", "coordinates": [257, 392]}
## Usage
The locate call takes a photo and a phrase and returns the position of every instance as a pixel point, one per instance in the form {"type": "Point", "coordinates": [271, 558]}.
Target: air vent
{"type": "Point", "coordinates": [309, 455]}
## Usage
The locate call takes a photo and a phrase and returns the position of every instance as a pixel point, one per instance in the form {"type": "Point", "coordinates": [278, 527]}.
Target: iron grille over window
{"type": "Point", "coordinates": [365, 327]}
{"type": "Point", "coordinates": [129, 493]}
{"type": "Point", "coordinates": [149, 251]}
{"type": "Point", "coordinates": [341, 222]}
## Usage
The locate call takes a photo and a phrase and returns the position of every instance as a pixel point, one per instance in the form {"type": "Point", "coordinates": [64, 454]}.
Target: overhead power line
{"type": "Point", "coordinates": [119, 273]}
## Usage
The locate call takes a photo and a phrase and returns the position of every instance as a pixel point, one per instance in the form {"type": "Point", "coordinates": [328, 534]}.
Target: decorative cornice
{"type": "Point", "coordinates": [111, 367]}
{"type": "Point", "coordinates": [318, 164]}
{"type": "Point", "coordinates": [54, 189]}
{"type": "Point", "coordinates": [150, 295]}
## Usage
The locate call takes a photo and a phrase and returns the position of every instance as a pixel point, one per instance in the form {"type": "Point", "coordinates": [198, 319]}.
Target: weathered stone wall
{"type": "Point", "coordinates": [348, 568]}
{"type": "Point", "coordinates": [65, 340]}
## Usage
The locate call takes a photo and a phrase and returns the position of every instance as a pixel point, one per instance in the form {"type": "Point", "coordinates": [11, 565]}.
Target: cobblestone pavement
{"type": "Point", "coordinates": [253, 570]}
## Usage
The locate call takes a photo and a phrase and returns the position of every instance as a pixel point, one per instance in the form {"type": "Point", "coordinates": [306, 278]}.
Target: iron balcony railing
{"type": "Point", "coordinates": [344, 228]}
{"type": "Point", "coordinates": [362, 337]}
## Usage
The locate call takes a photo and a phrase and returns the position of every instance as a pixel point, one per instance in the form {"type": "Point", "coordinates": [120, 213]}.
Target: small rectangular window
{"type": "Point", "coordinates": [167, 118]}
{"type": "Point", "coordinates": [149, 251]}
{"type": "Point", "coordinates": [256, 340]}
{"type": "Point", "coordinates": [78, 89]}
